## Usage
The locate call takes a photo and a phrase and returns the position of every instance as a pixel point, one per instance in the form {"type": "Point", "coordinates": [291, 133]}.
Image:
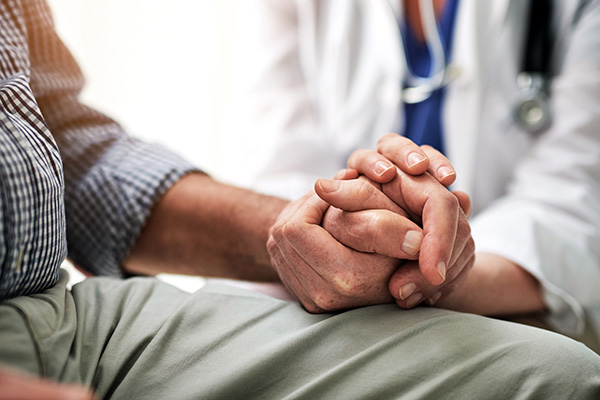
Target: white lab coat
{"type": "Point", "coordinates": [322, 78]}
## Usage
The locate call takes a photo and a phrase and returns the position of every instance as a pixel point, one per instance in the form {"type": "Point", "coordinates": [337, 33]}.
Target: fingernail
{"type": "Point", "coordinates": [434, 298]}
{"type": "Point", "coordinates": [412, 242]}
{"type": "Point", "coordinates": [444, 172]}
{"type": "Point", "coordinates": [381, 167]}
{"type": "Point", "coordinates": [441, 267]}
{"type": "Point", "coordinates": [414, 300]}
{"type": "Point", "coordinates": [414, 159]}
{"type": "Point", "coordinates": [329, 186]}
{"type": "Point", "coordinates": [406, 290]}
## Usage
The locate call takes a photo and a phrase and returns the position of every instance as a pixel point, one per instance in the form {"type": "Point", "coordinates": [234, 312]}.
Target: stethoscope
{"type": "Point", "coordinates": [532, 112]}
{"type": "Point", "coordinates": [419, 88]}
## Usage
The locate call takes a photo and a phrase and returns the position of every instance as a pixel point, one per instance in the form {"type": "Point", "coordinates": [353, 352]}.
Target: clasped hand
{"type": "Point", "coordinates": [386, 229]}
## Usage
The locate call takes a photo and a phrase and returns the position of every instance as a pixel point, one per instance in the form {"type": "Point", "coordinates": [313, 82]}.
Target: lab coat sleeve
{"type": "Point", "coordinates": [275, 140]}
{"type": "Point", "coordinates": [549, 221]}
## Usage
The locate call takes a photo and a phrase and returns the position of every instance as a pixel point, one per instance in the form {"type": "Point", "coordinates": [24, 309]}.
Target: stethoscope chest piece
{"type": "Point", "coordinates": [532, 113]}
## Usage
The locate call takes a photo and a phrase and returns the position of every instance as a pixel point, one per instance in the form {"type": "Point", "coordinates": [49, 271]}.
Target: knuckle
{"type": "Point", "coordinates": [333, 222]}
{"type": "Point", "coordinates": [276, 231]}
{"type": "Point", "coordinates": [471, 245]}
{"type": "Point", "coordinates": [372, 157]}
{"type": "Point", "coordinates": [325, 302]}
{"type": "Point", "coordinates": [375, 224]}
{"type": "Point", "coordinates": [385, 138]}
{"type": "Point", "coordinates": [290, 229]}
{"type": "Point", "coordinates": [352, 159]}
{"type": "Point", "coordinates": [312, 308]}
{"type": "Point", "coordinates": [343, 174]}
{"type": "Point", "coordinates": [363, 234]}
{"type": "Point", "coordinates": [355, 235]}
{"type": "Point", "coordinates": [375, 219]}
{"type": "Point", "coordinates": [450, 200]}
{"type": "Point", "coordinates": [271, 245]}
{"type": "Point", "coordinates": [433, 154]}
{"type": "Point", "coordinates": [356, 156]}
{"type": "Point", "coordinates": [364, 191]}
{"type": "Point", "coordinates": [464, 228]}
{"type": "Point", "coordinates": [468, 229]}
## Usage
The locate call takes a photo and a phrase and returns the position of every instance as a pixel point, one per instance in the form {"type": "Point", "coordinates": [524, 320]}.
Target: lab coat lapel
{"type": "Point", "coordinates": [389, 46]}
{"type": "Point", "coordinates": [463, 108]}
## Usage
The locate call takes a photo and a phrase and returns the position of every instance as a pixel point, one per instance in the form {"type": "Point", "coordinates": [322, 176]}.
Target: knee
{"type": "Point", "coordinates": [549, 365]}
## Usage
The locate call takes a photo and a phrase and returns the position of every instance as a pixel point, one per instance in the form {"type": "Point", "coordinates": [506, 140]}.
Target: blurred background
{"type": "Point", "coordinates": [162, 69]}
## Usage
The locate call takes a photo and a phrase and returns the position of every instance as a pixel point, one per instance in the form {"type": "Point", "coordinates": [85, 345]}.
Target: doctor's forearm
{"type": "Point", "coordinates": [496, 287]}
{"type": "Point", "coordinates": [202, 227]}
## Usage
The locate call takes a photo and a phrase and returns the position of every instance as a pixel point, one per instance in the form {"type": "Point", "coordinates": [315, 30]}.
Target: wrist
{"type": "Point", "coordinates": [496, 287]}
{"type": "Point", "coordinates": [203, 227]}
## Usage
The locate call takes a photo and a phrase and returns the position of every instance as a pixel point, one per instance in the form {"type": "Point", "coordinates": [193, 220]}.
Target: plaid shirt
{"type": "Point", "coordinates": [69, 176]}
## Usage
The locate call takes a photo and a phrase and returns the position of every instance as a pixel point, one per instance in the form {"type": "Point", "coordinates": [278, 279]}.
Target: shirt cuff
{"type": "Point", "coordinates": [108, 206]}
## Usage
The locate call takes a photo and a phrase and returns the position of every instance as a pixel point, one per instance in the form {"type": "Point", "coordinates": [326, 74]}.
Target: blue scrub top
{"type": "Point", "coordinates": [423, 121]}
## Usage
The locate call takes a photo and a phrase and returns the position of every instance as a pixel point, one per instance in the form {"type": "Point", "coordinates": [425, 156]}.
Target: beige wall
{"type": "Point", "coordinates": [161, 68]}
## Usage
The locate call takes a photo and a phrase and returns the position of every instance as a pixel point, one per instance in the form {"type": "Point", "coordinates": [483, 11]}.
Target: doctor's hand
{"type": "Point", "coordinates": [324, 274]}
{"type": "Point", "coordinates": [394, 151]}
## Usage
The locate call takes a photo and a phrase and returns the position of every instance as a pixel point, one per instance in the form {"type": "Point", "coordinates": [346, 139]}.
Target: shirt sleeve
{"type": "Point", "coordinates": [111, 179]}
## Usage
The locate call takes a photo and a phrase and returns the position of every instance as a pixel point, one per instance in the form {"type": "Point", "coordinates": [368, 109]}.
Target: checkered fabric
{"type": "Point", "coordinates": [111, 180]}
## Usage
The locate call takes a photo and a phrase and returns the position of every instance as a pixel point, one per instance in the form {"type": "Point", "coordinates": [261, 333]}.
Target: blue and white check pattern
{"type": "Point", "coordinates": [32, 215]}
{"type": "Point", "coordinates": [69, 176]}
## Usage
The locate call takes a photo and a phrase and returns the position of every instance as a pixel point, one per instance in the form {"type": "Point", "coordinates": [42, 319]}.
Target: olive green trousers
{"type": "Point", "coordinates": [141, 338]}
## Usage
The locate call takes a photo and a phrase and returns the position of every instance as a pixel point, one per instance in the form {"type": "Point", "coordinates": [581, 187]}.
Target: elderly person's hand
{"type": "Point", "coordinates": [322, 273]}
